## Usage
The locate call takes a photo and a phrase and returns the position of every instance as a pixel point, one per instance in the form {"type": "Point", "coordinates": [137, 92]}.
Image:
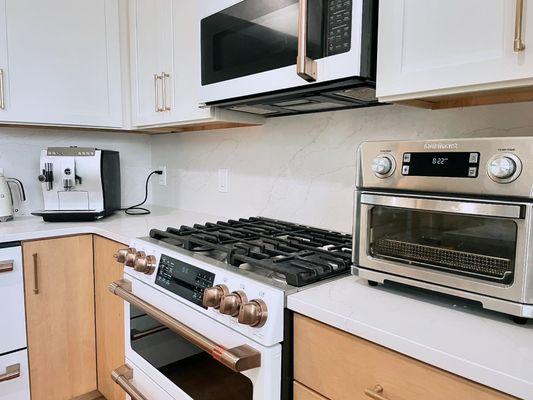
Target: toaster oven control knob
{"type": "Point", "coordinates": [231, 303]}
{"type": "Point", "coordinates": [502, 167]}
{"type": "Point", "coordinates": [126, 256]}
{"type": "Point", "coordinates": [213, 296]}
{"type": "Point", "coordinates": [254, 313]}
{"type": "Point", "coordinates": [383, 166]}
{"type": "Point", "coordinates": [143, 263]}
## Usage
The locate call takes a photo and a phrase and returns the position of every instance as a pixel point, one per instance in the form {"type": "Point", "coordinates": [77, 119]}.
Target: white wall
{"type": "Point", "coordinates": [20, 150]}
{"type": "Point", "coordinates": [302, 168]}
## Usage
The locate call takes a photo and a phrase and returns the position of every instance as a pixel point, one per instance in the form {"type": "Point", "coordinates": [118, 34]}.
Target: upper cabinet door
{"type": "Point", "coordinates": [434, 47]}
{"type": "Point", "coordinates": [61, 62]}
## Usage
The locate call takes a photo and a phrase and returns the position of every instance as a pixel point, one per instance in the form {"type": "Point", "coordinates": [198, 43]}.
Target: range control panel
{"type": "Point", "coordinates": [338, 27]}
{"type": "Point", "coordinates": [185, 280]}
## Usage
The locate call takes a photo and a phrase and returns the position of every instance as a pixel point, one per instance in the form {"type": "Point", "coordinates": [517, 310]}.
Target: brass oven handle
{"type": "Point", "coordinates": [156, 90]}
{"type": "Point", "coordinates": [376, 393]}
{"type": "Point", "coordinates": [12, 372]}
{"type": "Point", "coordinates": [122, 377]}
{"type": "Point", "coordinates": [35, 274]}
{"type": "Point", "coordinates": [6, 266]}
{"type": "Point", "coordinates": [519, 44]}
{"type": "Point", "coordinates": [306, 68]}
{"type": "Point", "coordinates": [2, 92]}
{"type": "Point", "coordinates": [164, 77]}
{"type": "Point", "coordinates": [238, 359]}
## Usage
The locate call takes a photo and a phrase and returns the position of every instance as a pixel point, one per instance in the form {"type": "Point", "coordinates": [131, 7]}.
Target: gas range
{"type": "Point", "coordinates": [218, 291]}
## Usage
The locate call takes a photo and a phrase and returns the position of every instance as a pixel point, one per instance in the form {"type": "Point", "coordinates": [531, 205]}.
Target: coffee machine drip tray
{"type": "Point", "coordinates": [70, 216]}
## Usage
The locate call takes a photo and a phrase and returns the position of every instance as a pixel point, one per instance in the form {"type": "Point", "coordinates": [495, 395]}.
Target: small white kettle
{"type": "Point", "coordinates": [6, 196]}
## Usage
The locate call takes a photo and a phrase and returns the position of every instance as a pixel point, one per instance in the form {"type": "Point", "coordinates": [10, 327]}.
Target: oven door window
{"type": "Point", "coordinates": [254, 36]}
{"type": "Point", "coordinates": [478, 247]}
{"type": "Point", "coordinates": [188, 367]}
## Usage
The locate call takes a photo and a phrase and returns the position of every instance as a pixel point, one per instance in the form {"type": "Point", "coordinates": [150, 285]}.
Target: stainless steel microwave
{"type": "Point", "coordinates": [279, 57]}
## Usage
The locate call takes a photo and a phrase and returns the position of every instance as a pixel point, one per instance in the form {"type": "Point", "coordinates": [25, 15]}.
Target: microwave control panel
{"type": "Point", "coordinates": [339, 26]}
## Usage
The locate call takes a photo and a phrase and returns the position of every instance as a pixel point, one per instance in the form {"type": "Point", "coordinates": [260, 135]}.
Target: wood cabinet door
{"type": "Point", "coordinates": [340, 366]}
{"type": "Point", "coordinates": [109, 317]}
{"type": "Point", "coordinates": [63, 64]}
{"type": "Point", "coordinates": [59, 291]}
{"type": "Point", "coordinates": [434, 47]}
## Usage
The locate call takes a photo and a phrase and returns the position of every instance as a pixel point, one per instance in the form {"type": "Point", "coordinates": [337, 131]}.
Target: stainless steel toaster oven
{"type": "Point", "coordinates": [453, 216]}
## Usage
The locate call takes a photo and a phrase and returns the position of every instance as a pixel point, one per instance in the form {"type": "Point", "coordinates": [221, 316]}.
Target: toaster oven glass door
{"type": "Point", "coordinates": [191, 369]}
{"type": "Point", "coordinates": [476, 246]}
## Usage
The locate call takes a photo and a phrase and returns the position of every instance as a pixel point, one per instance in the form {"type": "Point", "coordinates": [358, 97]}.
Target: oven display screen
{"type": "Point", "coordinates": [453, 165]}
{"type": "Point", "coordinates": [185, 280]}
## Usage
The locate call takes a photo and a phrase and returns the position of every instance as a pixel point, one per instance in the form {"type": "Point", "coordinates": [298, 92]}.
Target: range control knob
{"type": "Point", "coordinates": [143, 263]}
{"type": "Point", "coordinates": [231, 303]}
{"type": "Point", "coordinates": [502, 167]}
{"type": "Point", "coordinates": [126, 256]}
{"type": "Point", "coordinates": [383, 166]}
{"type": "Point", "coordinates": [213, 296]}
{"type": "Point", "coordinates": [253, 313]}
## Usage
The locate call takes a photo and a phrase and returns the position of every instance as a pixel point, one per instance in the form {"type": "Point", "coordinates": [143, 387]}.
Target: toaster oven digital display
{"type": "Point", "coordinates": [449, 164]}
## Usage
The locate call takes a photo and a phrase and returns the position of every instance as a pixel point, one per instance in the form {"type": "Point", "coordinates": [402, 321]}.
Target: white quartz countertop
{"type": "Point", "coordinates": [119, 227]}
{"type": "Point", "coordinates": [480, 345]}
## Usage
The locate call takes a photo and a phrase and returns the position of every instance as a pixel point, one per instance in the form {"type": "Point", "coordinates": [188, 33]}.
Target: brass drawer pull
{"type": "Point", "coordinates": [519, 44]}
{"type": "Point", "coordinates": [2, 91]}
{"type": "Point", "coordinates": [306, 68]}
{"type": "Point", "coordinates": [6, 266]}
{"type": "Point", "coordinates": [122, 377]}
{"type": "Point", "coordinates": [376, 393]}
{"type": "Point", "coordinates": [12, 372]}
{"type": "Point", "coordinates": [35, 274]}
{"type": "Point", "coordinates": [238, 359]}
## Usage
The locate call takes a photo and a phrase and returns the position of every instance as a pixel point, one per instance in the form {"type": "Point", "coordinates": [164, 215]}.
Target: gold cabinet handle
{"type": "Point", "coordinates": [35, 274]}
{"type": "Point", "coordinates": [2, 94]}
{"type": "Point", "coordinates": [238, 359]}
{"type": "Point", "coordinates": [122, 376]}
{"type": "Point", "coordinates": [376, 393]}
{"type": "Point", "coordinates": [164, 77]}
{"type": "Point", "coordinates": [157, 78]}
{"type": "Point", "coordinates": [6, 266]}
{"type": "Point", "coordinates": [12, 372]}
{"type": "Point", "coordinates": [519, 44]}
{"type": "Point", "coordinates": [306, 68]}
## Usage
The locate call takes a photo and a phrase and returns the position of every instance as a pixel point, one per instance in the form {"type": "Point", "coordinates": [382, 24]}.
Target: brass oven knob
{"type": "Point", "coordinates": [213, 296]}
{"type": "Point", "coordinates": [144, 263]}
{"type": "Point", "coordinates": [231, 303]}
{"type": "Point", "coordinates": [126, 256]}
{"type": "Point", "coordinates": [253, 313]}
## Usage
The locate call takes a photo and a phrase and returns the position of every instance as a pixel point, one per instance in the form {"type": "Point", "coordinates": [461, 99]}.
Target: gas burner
{"type": "Point", "coordinates": [296, 254]}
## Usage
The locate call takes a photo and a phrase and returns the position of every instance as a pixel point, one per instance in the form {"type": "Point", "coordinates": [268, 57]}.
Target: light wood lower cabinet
{"type": "Point", "coordinates": [109, 317]}
{"type": "Point", "coordinates": [58, 276]}
{"type": "Point", "coordinates": [302, 392]}
{"type": "Point", "coordinates": [340, 366]}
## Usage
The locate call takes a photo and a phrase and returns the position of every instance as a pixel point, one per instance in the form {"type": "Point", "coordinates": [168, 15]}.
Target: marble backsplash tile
{"type": "Point", "coordinates": [302, 168]}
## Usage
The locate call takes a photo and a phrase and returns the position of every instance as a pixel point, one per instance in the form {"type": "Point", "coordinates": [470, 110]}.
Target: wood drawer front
{"type": "Point", "coordinates": [342, 366]}
{"type": "Point", "coordinates": [302, 392]}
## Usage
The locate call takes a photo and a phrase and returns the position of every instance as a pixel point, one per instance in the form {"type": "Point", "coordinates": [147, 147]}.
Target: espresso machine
{"type": "Point", "coordinates": [79, 183]}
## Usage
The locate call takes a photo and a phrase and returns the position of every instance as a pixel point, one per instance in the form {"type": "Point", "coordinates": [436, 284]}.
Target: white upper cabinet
{"type": "Point", "coordinates": [165, 67]}
{"type": "Point", "coordinates": [434, 47]}
{"type": "Point", "coordinates": [61, 62]}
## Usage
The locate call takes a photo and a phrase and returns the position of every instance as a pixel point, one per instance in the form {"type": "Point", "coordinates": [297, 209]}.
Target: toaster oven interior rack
{"type": "Point", "coordinates": [458, 262]}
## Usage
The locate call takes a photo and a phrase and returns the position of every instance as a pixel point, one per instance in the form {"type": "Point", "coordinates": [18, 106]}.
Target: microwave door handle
{"type": "Point", "coordinates": [446, 206]}
{"type": "Point", "coordinates": [306, 68]}
{"type": "Point", "coordinates": [238, 359]}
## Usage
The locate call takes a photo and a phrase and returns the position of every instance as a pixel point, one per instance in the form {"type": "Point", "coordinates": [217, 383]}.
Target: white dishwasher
{"type": "Point", "coordinates": [14, 378]}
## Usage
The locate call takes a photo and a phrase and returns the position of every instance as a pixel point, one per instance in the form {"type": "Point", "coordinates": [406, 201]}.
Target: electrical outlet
{"type": "Point", "coordinates": [223, 180]}
{"type": "Point", "coordinates": [163, 176]}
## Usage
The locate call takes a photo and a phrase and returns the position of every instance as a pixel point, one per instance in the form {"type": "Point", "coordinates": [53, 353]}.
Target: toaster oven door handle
{"type": "Point", "coordinates": [238, 359]}
{"type": "Point", "coordinates": [446, 206]}
{"type": "Point", "coordinates": [122, 376]}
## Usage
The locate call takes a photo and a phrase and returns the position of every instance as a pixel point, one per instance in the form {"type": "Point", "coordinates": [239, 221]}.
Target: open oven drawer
{"type": "Point", "coordinates": [14, 377]}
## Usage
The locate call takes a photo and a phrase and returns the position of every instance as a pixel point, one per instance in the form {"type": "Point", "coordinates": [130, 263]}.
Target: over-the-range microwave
{"type": "Point", "coordinates": [282, 57]}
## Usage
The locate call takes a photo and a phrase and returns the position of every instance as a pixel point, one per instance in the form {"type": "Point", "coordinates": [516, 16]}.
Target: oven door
{"type": "Point", "coordinates": [467, 244]}
{"type": "Point", "coordinates": [175, 350]}
{"type": "Point", "coordinates": [251, 46]}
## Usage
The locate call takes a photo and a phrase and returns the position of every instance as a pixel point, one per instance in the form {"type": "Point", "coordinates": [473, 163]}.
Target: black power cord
{"type": "Point", "coordinates": [137, 209]}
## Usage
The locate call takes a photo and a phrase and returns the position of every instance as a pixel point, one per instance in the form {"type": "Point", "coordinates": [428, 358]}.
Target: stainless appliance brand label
{"type": "Point", "coordinates": [441, 146]}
